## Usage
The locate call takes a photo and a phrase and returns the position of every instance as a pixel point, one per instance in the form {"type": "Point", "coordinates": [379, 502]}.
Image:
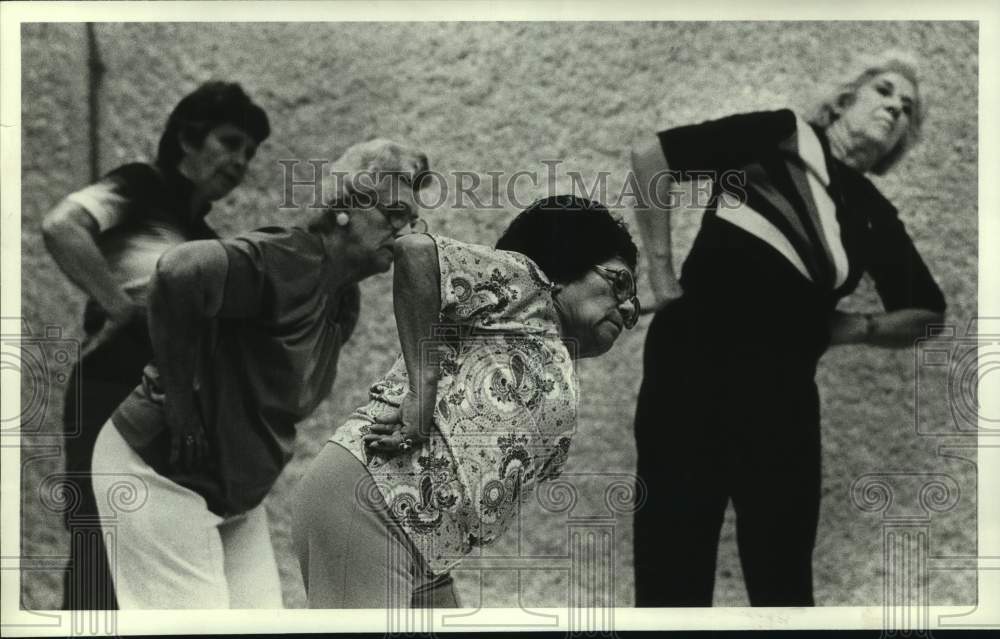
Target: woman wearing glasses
{"type": "Point", "coordinates": [479, 407]}
{"type": "Point", "coordinates": [246, 333]}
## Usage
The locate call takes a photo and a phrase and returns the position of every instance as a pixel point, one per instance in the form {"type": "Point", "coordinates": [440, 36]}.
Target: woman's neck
{"type": "Point", "coordinates": [852, 148]}
{"type": "Point", "coordinates": [197, 203]}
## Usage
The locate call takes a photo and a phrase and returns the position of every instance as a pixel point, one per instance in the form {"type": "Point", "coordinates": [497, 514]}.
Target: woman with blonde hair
{"type": "Point", "coordinates": [728, 408]}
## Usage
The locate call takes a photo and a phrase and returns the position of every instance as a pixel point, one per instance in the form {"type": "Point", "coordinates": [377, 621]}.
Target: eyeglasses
{"type": "Point", "coordinates": [623, 286]}
{"type": "Point", "coordinates": [399, 218]}
{"type": "Point", "coordinates": [399, 223]}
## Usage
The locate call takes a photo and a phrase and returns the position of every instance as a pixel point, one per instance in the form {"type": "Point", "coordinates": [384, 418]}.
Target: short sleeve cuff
{"type": "Point", "coordinates": [102, 203]}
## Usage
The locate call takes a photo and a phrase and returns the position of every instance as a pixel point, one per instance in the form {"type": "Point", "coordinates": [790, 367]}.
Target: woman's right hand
{"type": "Point", "coordinates": [189, 448]}
{"type": "Point", "coordinates": [401, 428]}
{"type": "Point", "coordinates": [118, 317]}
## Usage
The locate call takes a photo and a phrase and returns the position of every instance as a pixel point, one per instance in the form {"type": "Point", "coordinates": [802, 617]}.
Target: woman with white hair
{"type": "Point", "coordinates": [246, 334]}
{"type": "Point", "coordinates": [728, 407]}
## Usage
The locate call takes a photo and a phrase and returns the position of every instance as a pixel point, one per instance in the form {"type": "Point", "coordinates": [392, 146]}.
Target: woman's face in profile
{"type": "Point", "coordinates": [882, 109]}
{"type": "Point", "coordinates": [374, 229]}
{"type": "Point", "coordinates": [590, 312]}
{"type": "Point", "coordinates": [219, 165]}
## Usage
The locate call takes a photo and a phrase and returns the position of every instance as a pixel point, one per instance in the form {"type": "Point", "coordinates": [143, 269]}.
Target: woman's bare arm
{"type": "Point", "coordinates": [653, 213]}
{"type": "Point", "coordinates": [186, 289]}
{"type": "Point", "coordinates": [70, 235]}
{"type": "Point", "coordinates": [894, 329]}
{"type": "Point", "coordinates": [416, 293]}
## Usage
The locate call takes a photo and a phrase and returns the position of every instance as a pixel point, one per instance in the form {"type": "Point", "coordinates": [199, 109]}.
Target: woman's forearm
{"type": "Point", "coordinates": [417, 307]}
{"type": "Point", "coordinates": [654, 227]}
{"type": "Point", "coordinates": [186, 289]}
{"type": "Point", "coordinates": [175, 322]}
{"type": "Point", "coordinates": [894, 329]}
{"type": "Point", "coordinates": [70, 236]}
{"type": "Point", "coordinates": [653, 215]}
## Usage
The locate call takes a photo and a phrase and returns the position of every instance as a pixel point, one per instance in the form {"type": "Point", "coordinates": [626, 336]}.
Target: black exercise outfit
{"type": "Point", "coordinates": [728, 407]}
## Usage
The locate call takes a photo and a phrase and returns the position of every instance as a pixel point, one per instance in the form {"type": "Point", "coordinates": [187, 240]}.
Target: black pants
{"type": "Point", "coordinates": [96, 387]}
{"type": "Point", "coordinates": [714, 423]}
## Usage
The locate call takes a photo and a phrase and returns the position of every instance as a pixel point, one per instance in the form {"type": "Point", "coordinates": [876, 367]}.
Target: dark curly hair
{"type": "Point", "coordinates": [205, 108]}
{"type": "Point", "coordinates": [567, 236]}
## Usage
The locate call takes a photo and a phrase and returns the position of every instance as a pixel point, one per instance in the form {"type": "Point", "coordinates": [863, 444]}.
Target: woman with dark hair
{"type": "Point", "coordinates": [107, 238]}
{"type": "Point", "coordinates": [480, 406]}
{"type": "Point", "coordinates": [728, 407]}
{"type": "Point", "coordinates": [246, 335]}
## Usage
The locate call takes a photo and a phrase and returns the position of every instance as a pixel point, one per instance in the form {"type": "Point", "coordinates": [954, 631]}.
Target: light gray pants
{"type": "Point", "coordinates": [171, 551]}
{"type": "Point", "coordinates": [353, 554]}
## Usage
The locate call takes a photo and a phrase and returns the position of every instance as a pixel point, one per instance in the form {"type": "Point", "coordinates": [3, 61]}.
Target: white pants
{"type": "Point", "coordinates": [172, 551]}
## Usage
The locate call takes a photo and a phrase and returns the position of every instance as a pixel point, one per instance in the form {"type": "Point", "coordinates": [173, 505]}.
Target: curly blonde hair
{"type": "Point", "coordinates": [826, 111]}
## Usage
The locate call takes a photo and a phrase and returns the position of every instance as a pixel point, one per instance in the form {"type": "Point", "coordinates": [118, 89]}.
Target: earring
{"type": "Point", "coordinates": [343, 219]}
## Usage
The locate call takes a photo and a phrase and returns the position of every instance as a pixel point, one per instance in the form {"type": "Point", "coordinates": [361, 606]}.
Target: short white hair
{"type": "Point", "coordinates": [367, 163]}
{"type": "Point", "coordinates": [826, 111]}
{"type": "Point", "coordinates": [368, 172]}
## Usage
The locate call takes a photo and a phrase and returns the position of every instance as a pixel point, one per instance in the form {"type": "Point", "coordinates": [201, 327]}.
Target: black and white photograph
{"type": "Point", "coordinates": [420, 317]}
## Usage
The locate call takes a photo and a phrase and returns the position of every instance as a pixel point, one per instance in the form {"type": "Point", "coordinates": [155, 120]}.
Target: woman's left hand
{"type": "Point", "coordinates": [398, 430]}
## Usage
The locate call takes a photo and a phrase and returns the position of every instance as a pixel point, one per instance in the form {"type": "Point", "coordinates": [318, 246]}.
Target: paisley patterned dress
{"type": "Point", "coordinates": [506, 406]}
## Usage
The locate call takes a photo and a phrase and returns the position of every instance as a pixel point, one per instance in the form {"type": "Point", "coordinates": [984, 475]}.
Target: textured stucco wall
{"type": "Point", "coordinates": [501, 97]}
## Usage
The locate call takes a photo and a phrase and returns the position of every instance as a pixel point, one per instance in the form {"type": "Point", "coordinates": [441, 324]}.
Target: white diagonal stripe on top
{"type": "Point", "coordinates": [811, 152]}
{"type": "Point", "coordinates": [740, 214]}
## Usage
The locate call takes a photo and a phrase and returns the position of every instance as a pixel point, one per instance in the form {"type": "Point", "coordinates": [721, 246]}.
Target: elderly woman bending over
{"type": "Point", "coordinates": [465, 423]}
{"type": "Point", "coordinates": [728, 407]}
{"type": "Point", "coordinates": [246, 334]}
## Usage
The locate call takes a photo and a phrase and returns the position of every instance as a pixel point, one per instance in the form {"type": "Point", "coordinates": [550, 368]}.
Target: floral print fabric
{"type": "Point", "coordinates": [506, 406]}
